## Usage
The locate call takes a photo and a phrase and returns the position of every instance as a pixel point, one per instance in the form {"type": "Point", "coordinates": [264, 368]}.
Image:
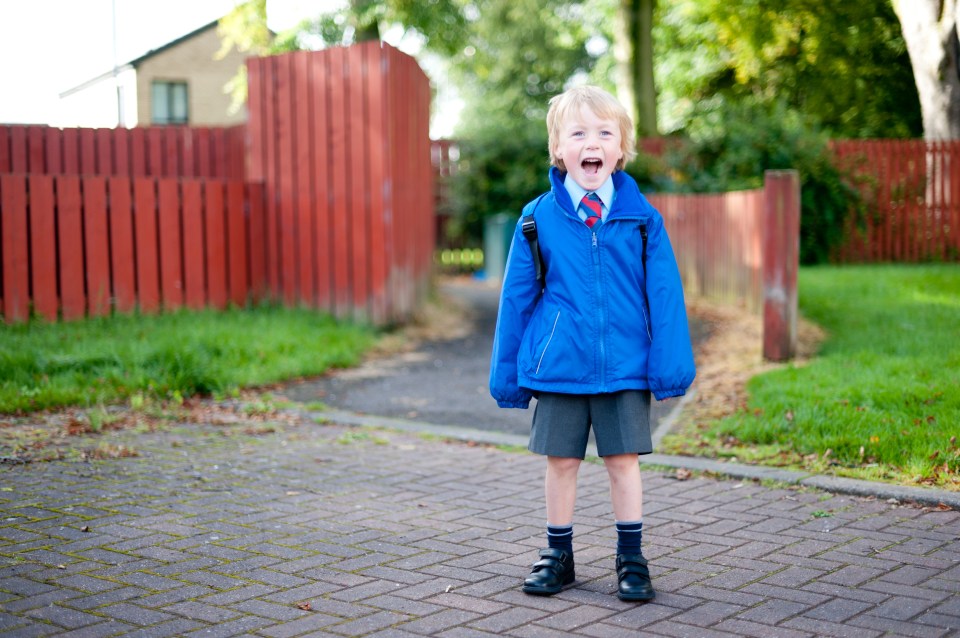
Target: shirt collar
{"type": "Point", "coordinates": [576, 192]}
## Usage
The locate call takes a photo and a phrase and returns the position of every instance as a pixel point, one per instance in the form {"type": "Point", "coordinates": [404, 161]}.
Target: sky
{"type": "Point", "coordinates": [49, 46]}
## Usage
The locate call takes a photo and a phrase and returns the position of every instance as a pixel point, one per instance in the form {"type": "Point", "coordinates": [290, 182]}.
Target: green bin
{"type": "Point", "coordinates": [497, 235]}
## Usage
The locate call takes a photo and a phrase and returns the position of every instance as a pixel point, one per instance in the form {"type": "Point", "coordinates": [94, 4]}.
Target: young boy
{"type": "Point", "coordinates": [597, 335]}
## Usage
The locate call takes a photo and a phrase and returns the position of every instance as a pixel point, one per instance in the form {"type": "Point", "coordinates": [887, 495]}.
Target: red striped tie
{"type": "Point", "coordinates": [591, 205]}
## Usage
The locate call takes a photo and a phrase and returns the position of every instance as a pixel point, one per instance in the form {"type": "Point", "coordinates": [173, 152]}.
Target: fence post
{"type": "Point", "coordinates": [781, 257]}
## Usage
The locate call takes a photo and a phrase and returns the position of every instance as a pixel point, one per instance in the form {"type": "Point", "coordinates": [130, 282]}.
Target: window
{"type": "Point", "coordinates": [169, 103]}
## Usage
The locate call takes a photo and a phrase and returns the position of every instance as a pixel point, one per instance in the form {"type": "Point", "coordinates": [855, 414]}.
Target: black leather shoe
{"type": "Point", "coordinates": [551, 573]}
{"type": "Point", "coordinates": [633, 578]}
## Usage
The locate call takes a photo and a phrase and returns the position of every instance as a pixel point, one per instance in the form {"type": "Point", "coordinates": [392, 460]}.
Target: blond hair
{"type": "Point", "coordinates": [603, 105]}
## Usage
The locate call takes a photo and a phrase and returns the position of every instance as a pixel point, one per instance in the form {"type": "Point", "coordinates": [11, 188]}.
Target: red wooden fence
{"type": "Point", "coordinates": [912, 193]}
{"type": "Point", "coordinates": [340, 139]}
{"type": "Point", "coordinates": [718, 242]}
{"type": "Point", "coordinates": [336, 212]}
{"type": "Point", "coordinates": [138, 152]}
{"type": "Point", "coordinates": [76, 246]}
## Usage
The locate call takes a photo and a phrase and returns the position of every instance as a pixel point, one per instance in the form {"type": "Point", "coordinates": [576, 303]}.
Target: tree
{"type": "Point", "coordinates": [930, 31]}
{"type": "Point", "coordinates": [633, 50]}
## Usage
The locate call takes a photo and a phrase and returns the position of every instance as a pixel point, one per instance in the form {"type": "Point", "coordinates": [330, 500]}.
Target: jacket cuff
{"type": "Point", "coordinates": [523, 405]}
{"type": "Point", "coordinates": [668, 393]}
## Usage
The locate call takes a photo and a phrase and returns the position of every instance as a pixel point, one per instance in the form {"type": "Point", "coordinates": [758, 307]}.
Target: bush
{"type": "Point", "coordinates": [731, 145]}
{"type": "Point", "coordinates": [500, 170]}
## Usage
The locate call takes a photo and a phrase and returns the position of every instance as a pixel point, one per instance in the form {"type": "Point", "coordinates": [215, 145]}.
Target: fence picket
{"type": "Point", "coordinates": [70, 224]}
{"type": "Point", "coordinates": [19, 157]}
{"type": "Point", "coordinates": [36, 151]}
{"type": "Point", "coordinates": [43, 246]}
{"type": "Point", "coordinates": [194, 275]}
{"type": "Point", "coordinates": [122, 256]}
{"type": "Point", "coordinates": [13, 224]}
{"type": "Point", "coordinates": [357, 162]}
{"type": "Point", "coordinates": [320, 195]}
{"type": "Point", "coordinates": [216, 243]}
{"type": "Point", "coordinates": [376, 166]}
{"type": "Point", "coordinates": [170, 233]}
{"type": "Point", "coordinates": [5, 150]}
{"type": "Point", "coordinates": [145, 239]}
{"type": "Point", "coordinates": [96, 246]}
{"type": "Point", "coordinates": [339, 110]}
{"type": "Point", "coordinates": [238, 282]}
{"type": "Point", "coordinates": [303, 168]}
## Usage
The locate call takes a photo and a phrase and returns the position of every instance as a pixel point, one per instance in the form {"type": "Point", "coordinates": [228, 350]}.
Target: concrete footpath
{"type": "Point", "coordinates": [348, 524]}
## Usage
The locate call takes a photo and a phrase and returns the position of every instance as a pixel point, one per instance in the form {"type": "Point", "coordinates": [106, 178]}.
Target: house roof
{"type": "Point", "coordinates": [134, 63]}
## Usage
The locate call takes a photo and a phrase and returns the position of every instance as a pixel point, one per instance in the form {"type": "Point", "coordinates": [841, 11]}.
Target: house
{"type": "Point", "coordinates": [181, 82]}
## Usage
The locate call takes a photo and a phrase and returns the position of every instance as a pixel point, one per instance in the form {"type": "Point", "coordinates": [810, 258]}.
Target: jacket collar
{"type": "Point", "coordinates": [629, 202]}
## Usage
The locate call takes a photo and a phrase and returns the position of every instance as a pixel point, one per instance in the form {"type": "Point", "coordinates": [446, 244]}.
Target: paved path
{"type": "Point", "coordinates": [413, 528]}
{"type": "Point", "coordinates": [214, 532]}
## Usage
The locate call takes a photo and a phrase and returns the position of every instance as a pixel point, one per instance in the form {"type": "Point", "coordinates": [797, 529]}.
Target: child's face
{"type": "Point", "coordinates": [590, 148]}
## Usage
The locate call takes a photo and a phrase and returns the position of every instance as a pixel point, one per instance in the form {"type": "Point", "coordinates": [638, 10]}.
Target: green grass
{"type": "Point", "coordinates": [107, 360]}
{"type": "Point", "coordinates": [882, 398]}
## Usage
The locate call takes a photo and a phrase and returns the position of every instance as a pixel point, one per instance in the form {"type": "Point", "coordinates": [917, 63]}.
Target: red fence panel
{"type": "Point", "coordinates": [717, 241]}
{"type": "Point", "coordinates": [911, 197]}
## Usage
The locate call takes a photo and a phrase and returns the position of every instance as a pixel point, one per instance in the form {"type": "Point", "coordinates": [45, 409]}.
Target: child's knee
{"type": "Point", "coordinates": [562, 464]}
{"type": "Point", "coordinates": [621, 463]}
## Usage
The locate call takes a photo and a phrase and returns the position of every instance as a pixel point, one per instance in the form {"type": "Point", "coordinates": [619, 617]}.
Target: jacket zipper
{"type": "Point", "coordinates": [540, 361]}
{"type": "Point", "coordinates": [601, 309]}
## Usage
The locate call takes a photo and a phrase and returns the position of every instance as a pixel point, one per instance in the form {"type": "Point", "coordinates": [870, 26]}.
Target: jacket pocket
{"type": "Point", "coordinates": [546, 346]}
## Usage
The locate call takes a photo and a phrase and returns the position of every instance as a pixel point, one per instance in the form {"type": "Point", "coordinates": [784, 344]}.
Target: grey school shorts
{"type": "Point", "coordinates": [620, 421]}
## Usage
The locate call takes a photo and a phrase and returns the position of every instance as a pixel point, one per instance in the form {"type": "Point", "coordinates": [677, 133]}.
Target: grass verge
{"type": "Point", "coordinates": [171, 356]}
{"type": "Point", "coordinates": [881, 401]}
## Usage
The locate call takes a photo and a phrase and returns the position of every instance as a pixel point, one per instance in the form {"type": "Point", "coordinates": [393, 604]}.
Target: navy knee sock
{"type": "Point", "coordinates": [560, 537]}
{"type": "Point", "coordinates": [629, 535]}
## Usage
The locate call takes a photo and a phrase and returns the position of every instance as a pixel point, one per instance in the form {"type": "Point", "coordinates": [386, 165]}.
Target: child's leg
{"type": "Point", "coordinates": [560, 486]}
{"type": "Point", "coordinates": [626, 486]}
{"type": "Point", "coordinates": [626, 492]}
{"type": "Point", "coordinates": [555, 569]}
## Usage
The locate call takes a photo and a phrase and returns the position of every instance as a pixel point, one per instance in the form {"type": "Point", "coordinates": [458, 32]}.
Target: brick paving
{"type": "Point", "coordinates": [335, 530]}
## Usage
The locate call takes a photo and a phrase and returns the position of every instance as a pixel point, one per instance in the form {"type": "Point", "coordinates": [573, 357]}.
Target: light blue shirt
{"type": "Point", "coordinates": [606, 193]}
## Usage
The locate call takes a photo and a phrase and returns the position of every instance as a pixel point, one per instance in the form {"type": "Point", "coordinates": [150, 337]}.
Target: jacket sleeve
{"type": "Point", "coordinates": [518, 298]}
{"type": "Point", "coordinates": [671, 368]}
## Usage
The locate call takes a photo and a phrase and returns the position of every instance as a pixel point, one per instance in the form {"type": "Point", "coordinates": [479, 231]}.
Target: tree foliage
{"type": "Point", "coordinates": [843, 64]}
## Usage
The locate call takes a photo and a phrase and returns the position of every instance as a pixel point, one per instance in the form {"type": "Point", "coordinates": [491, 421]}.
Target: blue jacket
{"type": "Point", "coordinates": [596, 323]}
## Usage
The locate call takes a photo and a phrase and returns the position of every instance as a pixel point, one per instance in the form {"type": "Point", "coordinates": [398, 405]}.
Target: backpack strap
{"type": "Point", "coordinates": [643, 257]}
{"type": "Point", "coordinates": [529, 229]}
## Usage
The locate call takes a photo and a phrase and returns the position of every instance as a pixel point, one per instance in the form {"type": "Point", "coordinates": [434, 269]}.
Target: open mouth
{"type": "Point", "coordinates": [591, 166]}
